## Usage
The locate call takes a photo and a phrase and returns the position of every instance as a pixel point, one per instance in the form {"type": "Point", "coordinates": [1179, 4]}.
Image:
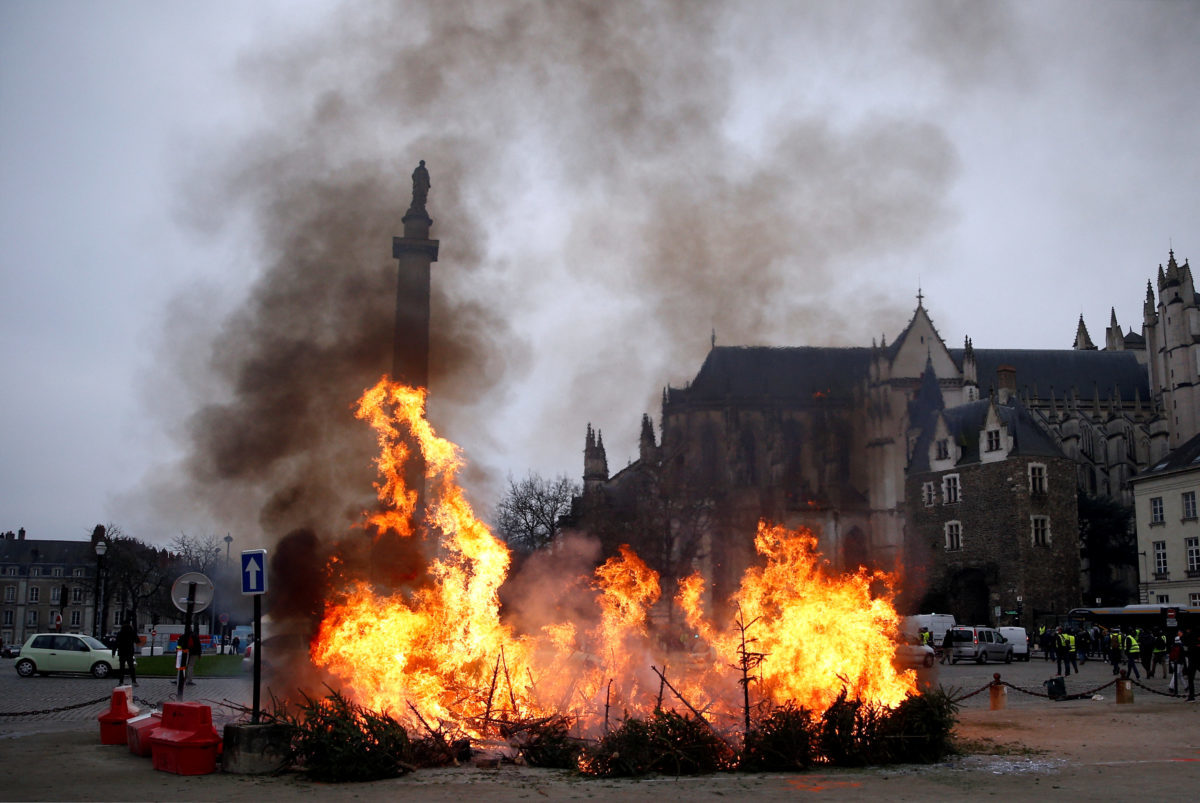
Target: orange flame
{"type": "Point", "coordinates": [443, 651]}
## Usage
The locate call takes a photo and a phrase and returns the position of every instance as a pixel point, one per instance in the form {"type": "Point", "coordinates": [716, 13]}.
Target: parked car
{"type": "Point", "coordinates": [10, 650]}
{"type": "Point", "coordinates": [1020, 641]}
{"type": "Point", "coordinates": [44, 653]}
{"type": "Point", "coordinates": [979, 644]}
{"type": "Point", "coordinates": [910, 655]}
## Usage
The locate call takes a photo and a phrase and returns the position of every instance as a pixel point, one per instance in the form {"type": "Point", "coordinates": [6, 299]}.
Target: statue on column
{"type": "Point", "coordinates": [421, 185]}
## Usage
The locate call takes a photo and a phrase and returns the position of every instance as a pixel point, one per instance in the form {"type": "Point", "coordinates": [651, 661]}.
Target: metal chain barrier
{"type": "Point", "coordinates": [1034, 693]}
{"type": "Point", "coordinates": [1154, 691]}
{"type": "Point", "coordinates": [103, 699]}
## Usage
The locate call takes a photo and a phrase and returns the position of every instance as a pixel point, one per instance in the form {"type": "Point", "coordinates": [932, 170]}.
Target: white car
{"type": "Point", "coordinates": [44, 653]}
{"type": "Point", "coordinates": [914, 655]}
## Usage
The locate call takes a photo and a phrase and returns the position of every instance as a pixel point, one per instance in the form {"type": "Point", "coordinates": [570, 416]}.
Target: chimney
{"type": "Point", "coordinates": [1006, 382]}
{"type": "Point", "coordinates": [21, 534]}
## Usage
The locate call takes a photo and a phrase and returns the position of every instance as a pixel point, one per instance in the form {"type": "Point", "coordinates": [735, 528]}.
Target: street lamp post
{"type": "Point", "coordinates": [101, 546]}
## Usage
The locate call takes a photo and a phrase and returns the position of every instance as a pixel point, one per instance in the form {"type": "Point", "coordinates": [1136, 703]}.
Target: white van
{"type": "Point", "coordinates": [935, 623]}
{"type": "Point", "coordinates": [1019, 639]}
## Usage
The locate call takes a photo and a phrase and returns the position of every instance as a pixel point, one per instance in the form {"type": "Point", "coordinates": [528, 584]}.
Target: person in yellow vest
{"type": "Point", "coordinates": [1132, 655]}
{"type": "Point", "coordinates": [1064, 647]}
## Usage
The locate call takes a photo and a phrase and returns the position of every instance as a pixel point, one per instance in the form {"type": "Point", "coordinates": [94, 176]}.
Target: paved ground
{"type": "Point", "coordinates": [1077, 748]}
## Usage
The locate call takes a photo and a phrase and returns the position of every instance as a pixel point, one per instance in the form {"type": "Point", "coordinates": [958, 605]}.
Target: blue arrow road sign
{"type": "Point", "coordinates": [254, 571]}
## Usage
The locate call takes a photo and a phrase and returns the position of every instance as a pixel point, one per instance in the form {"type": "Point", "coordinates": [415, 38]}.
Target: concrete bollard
{"type": "Point", "coordinates": [998, 692]}
{"type": "Point", "coordinates": [1124, 689]}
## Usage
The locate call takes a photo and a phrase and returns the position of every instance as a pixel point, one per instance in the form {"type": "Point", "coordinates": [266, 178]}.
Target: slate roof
{"type": "Point", "coordinates": [784, 374]}
{"type": "Point", "coordinates": [48, 553]}
{"type": "Point", "coordinates": [1187, 456]}
{"type": "Point", "coordinates": [1063, 369]}
{"type": "Point", "coordinates": [965, 422]}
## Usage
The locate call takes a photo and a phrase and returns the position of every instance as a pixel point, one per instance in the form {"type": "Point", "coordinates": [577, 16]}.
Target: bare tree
{"type": "Point", "coordinates": [197, 553]}
{"type": "Point", "coordinates": [137, 574]}
{"type": "Point", "coordinates": [528, 515]}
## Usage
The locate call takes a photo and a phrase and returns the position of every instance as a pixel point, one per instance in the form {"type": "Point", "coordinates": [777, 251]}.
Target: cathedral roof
{"type": "Point", "coordinates": [1060, 370]}
{"type": "Point", "coordinates": [786, 374]}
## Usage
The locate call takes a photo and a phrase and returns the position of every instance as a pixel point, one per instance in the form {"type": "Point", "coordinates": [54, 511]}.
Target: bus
{"type": "Point", "coordinates": [1146, 617]}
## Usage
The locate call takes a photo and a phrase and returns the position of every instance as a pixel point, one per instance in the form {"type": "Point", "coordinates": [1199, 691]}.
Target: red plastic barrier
{"type": "Point", "coordinates": [120, 710]}
{"type": "Point", "coordinates": [186, 743]}
{"type": "Point", "coordinates": [138, 731]}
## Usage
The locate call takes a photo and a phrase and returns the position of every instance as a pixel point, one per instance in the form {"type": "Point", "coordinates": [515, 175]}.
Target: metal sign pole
{"type": "Point", "coordinates": [254, 716]}
{"type": "Point", "coordinates": [182, 655]}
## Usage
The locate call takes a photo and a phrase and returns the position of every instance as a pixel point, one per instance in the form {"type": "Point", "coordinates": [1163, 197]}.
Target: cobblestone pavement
{"type": "Point", "coordinates": [50, 703]}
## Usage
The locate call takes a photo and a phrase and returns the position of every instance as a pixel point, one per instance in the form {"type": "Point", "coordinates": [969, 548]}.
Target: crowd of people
{"type": "Point", "coordinates": [1133, 649]}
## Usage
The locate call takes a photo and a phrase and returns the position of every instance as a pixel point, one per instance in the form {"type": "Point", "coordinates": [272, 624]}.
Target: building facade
{"type": "Point", "coordinates": [836, 440]}
{"type": "Point", "coordinates": [1168, 528]}
{"type": "Point", "coordinates": [45, 585]}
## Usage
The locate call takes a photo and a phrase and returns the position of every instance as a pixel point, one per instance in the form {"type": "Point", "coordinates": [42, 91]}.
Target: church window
{"type": "Point", "coordinates": [1156, 510]}
{"type": "Point", "coordinates": [1189, 504]}
{"type": "Point", "coordinates": [993, 440]}
{"type": "Point", "coordinates": [1037, 478]}
{"type": "Point", "coordinates": [1041, 530]}
{"type": "Point", "coordinates": [953, 536]}
{"type": "Point", "coordinates": [1160, 559]}
{"type": "Point", "coordinates": [943, 449]}
{"type": "Point", "coordinates": [951, 492]}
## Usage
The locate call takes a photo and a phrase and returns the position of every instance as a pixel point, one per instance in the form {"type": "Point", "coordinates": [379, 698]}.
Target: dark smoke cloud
{"type": "Point", "coordinates": [609, 121]}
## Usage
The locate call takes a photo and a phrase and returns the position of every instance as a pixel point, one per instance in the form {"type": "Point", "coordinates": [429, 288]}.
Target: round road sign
{"type": "Point", "coordinates": [204, 592]}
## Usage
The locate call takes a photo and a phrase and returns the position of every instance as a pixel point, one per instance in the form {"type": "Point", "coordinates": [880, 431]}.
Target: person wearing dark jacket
{"type": "Point", "coordinates": [126, 643]}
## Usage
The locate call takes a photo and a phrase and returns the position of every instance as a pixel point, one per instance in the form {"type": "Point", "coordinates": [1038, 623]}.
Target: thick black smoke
{"type": "Point", "coordinates": [599, 216]}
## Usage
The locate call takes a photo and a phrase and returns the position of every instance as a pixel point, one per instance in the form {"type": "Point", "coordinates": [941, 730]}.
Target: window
{"type": "Point", "coordinates": [1160, 559]}
{"type": "Point", "coordinates": [1162, 599]}
{"type": "Point", "coordinates": [950, 489]}
{"type": "Point", "coordinates": [77, 572]}
{"type": "Point", "coordinates": [31, 619]}
{"type": "Point", "coordinates": [1037, 478]}
{"type": "Point", "coordinates": [56, 571]}
{"type": "Point", "coordinates": [8, 618]}
{"type": "Point", "coordinates": [993, 440]}
{"type": "Point", "coordinates": [1189, 504]}
{"type": "Point", "coordinates": [55, 594]}
{"type": "Point", "coordinates": [1041, 530]}
{"type": "Point", "coordinates": [10, 594]}
{"type": "Point", "coordinates": [75, 619]}
{"type": "Point", "coordinates": [943, 449]}
{"type": "Point", "coordinates": [77, 595]}
{"type": "Point", "coordinates": [953, 535]}
{"type": "Point", "coordinates": [11, 571]}
{"type": "Point", "coordinates": [1156, 510]}
{"type": "Point", "coordinates": [1193, 556]}
{"type": "Point", "coordinates": [35, 593]}
{"type": "Point", "coordinates": [929, 493]}
{"type": "Point", "coordinates": [36, 571]}
{"type": "Point", "coordinates": [1194, 600]}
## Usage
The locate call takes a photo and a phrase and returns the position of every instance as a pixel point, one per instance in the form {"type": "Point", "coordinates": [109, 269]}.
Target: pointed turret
{"type": "Point", "coordinates": [970, 371]}
{"type": "Point", "coordinates": [595, 463]}
{"type": "Point", "coordinates": [647, 448]}
{"type": "Point", "coordinates": [1083, 341]}
{"type": "Point", "coordinates": [1149, 311]}
{"type": "Point", "coordinates": [1114, 337]}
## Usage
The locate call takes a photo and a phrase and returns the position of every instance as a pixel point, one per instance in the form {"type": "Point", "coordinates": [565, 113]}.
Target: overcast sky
{"type": "Point", "coordinates": [197, 201]}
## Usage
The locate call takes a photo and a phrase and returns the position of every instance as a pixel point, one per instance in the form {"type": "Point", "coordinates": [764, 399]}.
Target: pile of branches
{"type": "Point", "coordinates": [667, 743]}
{"type": "Point", "coordinates": [545, 742]}
{"type": "Point", "coordinates": [336, 740]}
{"type": "Point", "coordinates": [853, 734]}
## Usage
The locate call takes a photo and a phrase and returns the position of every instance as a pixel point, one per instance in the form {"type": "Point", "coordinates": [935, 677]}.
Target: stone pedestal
{"type": "Point", "coordinates": [255, 749]}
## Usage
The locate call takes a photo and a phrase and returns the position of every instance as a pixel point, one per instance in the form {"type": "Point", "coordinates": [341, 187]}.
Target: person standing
{"type": "Point", "coordinates": [1132, 654]}
{"type": "Point", "coordinates": [193, 656]}
{"type": "Point", "coordinates": [1114, 650]}
{"type": "Point", "coordinates": [1175, 658]}
{"type": "Point", "coordinates": [123, 649]}
{"type": "Point", "coordinates": [1191, 657]}
{"type": "Point", "coordinates": [1159, 655]}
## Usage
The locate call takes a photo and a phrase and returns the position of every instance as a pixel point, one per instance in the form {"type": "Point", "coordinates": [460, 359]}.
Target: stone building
{"type": "Point", "coordinates": [42, 580]}
{"type": "Point", "coordinates": [830, 439]}
{"type": "Point", "coordinates": [1168, 528]}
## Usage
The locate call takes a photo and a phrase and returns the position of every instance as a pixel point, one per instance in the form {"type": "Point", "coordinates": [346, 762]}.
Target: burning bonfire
{"type": "Point", "coordinates": [441, 652]}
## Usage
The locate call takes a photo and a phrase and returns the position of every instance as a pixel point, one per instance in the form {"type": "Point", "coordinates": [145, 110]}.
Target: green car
{"type": "Point", "coordinates": [43, 653]}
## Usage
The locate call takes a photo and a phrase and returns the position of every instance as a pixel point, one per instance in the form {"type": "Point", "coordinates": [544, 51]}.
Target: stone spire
{"type": "Point", "coordinates": [647, 447]}
{"type": "Point", "coordinates": [1083, 341]}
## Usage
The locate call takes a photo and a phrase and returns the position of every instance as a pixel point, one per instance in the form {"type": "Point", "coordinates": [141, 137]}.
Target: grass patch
{"type": "Point", "coordinates": [209, 666]}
